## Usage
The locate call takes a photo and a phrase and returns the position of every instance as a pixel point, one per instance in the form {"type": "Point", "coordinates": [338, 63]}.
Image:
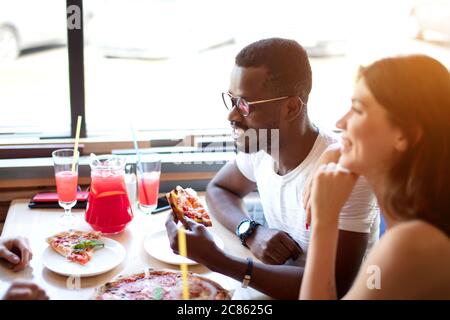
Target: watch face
{"type": "Point", "coordinates": [244, 226]}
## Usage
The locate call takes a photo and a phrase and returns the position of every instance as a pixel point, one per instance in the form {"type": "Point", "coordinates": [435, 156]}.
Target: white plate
{"type": "Point", "coordinates": [157, 245]}
{"type": "Point", "coordinates": [104, 259]}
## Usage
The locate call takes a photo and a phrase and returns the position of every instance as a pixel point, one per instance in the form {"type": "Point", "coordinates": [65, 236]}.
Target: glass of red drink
{"type": "Point", "coordinates": [108, 208]}
{"type": "Point", "coordinates": [66, 176]}
{"type": "Point", "coordinates": [148, 176]}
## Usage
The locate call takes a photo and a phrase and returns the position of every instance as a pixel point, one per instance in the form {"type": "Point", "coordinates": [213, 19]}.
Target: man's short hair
{"type": "Point", "coordinates": [286, 62]}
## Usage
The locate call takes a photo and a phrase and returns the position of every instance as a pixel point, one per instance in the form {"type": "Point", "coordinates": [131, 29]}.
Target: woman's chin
{"type": "Point", "coordinates": [347, 162]}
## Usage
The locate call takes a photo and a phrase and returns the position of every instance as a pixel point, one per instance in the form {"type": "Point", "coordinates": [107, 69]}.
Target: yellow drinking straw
{"type": "Point", "coordinates": [183, 266]}
{"type": "Point", "coordinates": [75, 148]}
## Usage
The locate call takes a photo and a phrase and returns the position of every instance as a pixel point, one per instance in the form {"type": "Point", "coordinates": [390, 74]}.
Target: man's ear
{"type": "Point", "coordinates": [294, 109]}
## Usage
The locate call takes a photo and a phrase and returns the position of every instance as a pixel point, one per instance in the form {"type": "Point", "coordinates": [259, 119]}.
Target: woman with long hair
{"type": "Point", "coordinates": [397, 135]}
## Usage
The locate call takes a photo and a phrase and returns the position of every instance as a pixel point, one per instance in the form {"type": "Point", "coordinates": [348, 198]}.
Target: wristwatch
{"type": "Point", "coordinates": [245, 228]}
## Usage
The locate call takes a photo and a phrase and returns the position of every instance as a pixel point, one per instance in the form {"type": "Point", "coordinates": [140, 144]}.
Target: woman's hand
{"type": "Point", "coordinates": [200, 244]}
{"type": "Point", "coordinates": [24, 290]}
{"type": "Point", "coordinates": [332, 154]}
{"type": "Point", "coordinates": [16, 252]}
{"type": "Point", "coordinates": [330, 189]}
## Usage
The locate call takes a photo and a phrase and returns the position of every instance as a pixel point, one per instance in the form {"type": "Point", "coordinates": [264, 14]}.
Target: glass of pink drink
{"type": "Point", "coordinates": [148, 172]}
{"type": "Point", "coordinates": [66, 183]}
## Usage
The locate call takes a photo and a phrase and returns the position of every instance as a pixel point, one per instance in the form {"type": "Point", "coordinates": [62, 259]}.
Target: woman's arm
{"type": "Point", "coordinates": [319, 276]}
{"type": "Point", "coordinates": [330, 155]}
{"type": "Point", "coordinates": [330, 189]}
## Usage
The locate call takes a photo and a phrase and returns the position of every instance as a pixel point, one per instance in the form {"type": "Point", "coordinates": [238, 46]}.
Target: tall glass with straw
{"type": "Point", "coordinates": [148, 174]}
{"type": "Point", "coordinates": [66, 175]}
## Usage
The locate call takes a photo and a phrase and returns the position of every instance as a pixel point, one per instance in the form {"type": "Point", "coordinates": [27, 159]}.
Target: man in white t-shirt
{"type": "Point", "coordinates": [282, 196]}
{"type": "Point", "coordinates": [279, 150]}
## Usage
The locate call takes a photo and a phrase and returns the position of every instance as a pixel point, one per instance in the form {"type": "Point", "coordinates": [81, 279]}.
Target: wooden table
{"type": "Point", "coordinates": [37, 224]}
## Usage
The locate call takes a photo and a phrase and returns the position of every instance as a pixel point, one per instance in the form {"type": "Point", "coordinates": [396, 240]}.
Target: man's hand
{"type": "Point", "coordinates": [24, 290]}
{"type": "Point", "coordinates": [16, 252]}
{"type": "Point", "coordinates": [272, 246]}
{"type": "Point", "coordinates": [200, 244]}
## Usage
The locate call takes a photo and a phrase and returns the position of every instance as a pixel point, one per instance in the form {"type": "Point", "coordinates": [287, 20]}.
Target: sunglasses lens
{"type": "Point", "coordinates": [240, 103]}
{"type": "Point", "coordinates": [243, 107]}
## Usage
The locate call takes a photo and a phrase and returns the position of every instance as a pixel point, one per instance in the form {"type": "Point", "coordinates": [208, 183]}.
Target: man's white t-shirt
{"type": "Point", "coordinates": [282, 196]}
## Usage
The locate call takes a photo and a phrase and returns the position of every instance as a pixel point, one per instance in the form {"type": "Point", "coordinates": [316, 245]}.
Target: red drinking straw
{"type": "Point", "coordinates": [139, 163]}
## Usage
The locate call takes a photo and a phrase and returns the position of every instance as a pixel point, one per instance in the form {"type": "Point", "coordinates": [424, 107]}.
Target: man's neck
{"type": "Point", "coordinates": [302, 139]}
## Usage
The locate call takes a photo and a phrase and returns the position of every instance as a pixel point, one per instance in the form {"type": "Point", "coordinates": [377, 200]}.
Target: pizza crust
{"type": "Point", "coordinates": [174, 204]}
{"type": "Point", "coordinates": [185, 202]}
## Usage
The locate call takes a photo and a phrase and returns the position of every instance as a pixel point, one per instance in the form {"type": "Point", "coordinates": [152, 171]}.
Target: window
{"type": "Point", "coordinates": [34, 87]}
{"type": "Point", "coordinates": [160, 65]}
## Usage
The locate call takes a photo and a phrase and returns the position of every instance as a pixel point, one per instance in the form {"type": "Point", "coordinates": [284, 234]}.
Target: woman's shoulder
{"type": "Point", "coordinates": [417, 236]}
{"type": "Point", "coordinates": [412, 252]}
{"type": "Point", "coordinates": [415, 243]}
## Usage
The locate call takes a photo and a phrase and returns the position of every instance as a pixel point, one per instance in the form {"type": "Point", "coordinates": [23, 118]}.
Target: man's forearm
{"type": "Point", "coordinates": [227, 207]}
{"type": "Point", "coordinates": [279, 282]}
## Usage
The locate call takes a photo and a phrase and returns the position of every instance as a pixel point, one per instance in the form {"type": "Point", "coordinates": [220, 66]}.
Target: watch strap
{"type": "Point", "coordinates": [243, 236]}
{"type": "Point", "coordinates": [248, 273]}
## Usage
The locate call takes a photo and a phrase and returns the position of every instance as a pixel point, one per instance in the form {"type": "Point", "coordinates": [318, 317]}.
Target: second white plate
{"type": "Point", "coordinates": [157, 245]}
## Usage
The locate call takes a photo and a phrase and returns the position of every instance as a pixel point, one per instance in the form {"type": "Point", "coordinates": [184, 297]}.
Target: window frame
{"type": "Point", "coordinates": [75, 49]}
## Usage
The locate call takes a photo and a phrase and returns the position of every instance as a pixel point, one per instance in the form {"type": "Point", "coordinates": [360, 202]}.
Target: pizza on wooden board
{"type": "Point", "coordinates": [160, 285]}
{"type": "Point", "coordinates": [186, 203]}
{"type": "Point", "coordinates": [76, 246]}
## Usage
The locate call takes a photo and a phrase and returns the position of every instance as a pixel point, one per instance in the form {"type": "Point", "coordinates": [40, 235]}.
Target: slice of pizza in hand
{"type": "Point", "coordinates": [186, 203]}
{"type": "Point", "coordinates": [76, 246]}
